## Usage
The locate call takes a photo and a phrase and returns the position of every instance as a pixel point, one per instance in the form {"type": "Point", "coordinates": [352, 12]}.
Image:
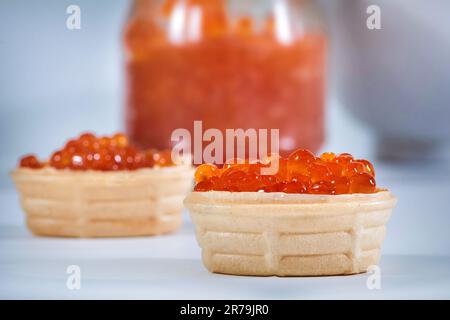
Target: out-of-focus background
{"type": "Point", "coordinates": [388, 91]}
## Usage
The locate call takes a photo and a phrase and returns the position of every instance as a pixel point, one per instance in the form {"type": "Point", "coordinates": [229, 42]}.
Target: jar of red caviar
{"type": "Point", "coordinates": [229, 63]}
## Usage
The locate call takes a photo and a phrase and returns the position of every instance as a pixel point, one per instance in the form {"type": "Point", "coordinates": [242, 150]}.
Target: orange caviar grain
{"type": "Point", "coordinates": [298, 167]}
{"type": "Point", "coordinates": [163, 158]}
{"type": "Point", "coordinates": [86, 140]}
{"type": "Point", "coordinates": [341, 185]}
{"type": "Point", "coordinates": [31, 162]}
{"type": "Point", "coordinates": [319, 172]}
{"type": "Point", "coordinates": [120, 139]}
{"type": "Point", "coordinates": [302, 154]}
{"type": "Point", "coordinates": [362, 183]}
{"type": "Point", "coordinates": [205, 172]}
{"type": "Point", "coordinates": [250, 183]}
{"type": "Point", "coordinates": [335, 169]}
{"type": "Point", "coordinates": [205, 185]}
{"type": "Point", "coordinates": [368, 167]}
{"type": "Point", "coordinates": [322, 187]}
{"type": "Point", "coordinates": [295, 187]}
{"type": "Point", "coordinates": [327, 156]}
{"type": "Point", "coordinates": [56, 160]}
{"type": "Point", "coordinates": [231, 179]}
{"type": "Point", "coordinates": [355, 167]}
{"type": "Point", "coordinates": [77, 161]}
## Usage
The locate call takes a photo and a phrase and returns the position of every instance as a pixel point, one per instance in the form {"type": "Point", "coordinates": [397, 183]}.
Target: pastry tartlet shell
{"type": "Point", "coordinates": [278, 234]}
{"type": "Point", "coordinates": [69, 203]}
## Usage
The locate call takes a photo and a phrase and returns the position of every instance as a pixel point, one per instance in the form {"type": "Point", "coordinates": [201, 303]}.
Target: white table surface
{"type": "Point", "coordinates": [169, 267]}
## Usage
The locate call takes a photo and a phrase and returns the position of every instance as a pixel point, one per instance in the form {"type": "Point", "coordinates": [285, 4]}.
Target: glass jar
{"type": "Point", "coordinates": [231, 64]}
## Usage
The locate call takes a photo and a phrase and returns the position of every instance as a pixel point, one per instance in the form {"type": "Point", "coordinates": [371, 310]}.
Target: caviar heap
{"type": "Point", "coordinates": [301, 172]}
{"type": "Point", "coordinates": [89, 152]}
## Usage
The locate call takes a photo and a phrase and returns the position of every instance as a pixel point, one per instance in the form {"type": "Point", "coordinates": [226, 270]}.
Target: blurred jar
{"type": "Point", "coordinates": [232, 64]}
{"type": "Point", "coordinates": [395, 79]}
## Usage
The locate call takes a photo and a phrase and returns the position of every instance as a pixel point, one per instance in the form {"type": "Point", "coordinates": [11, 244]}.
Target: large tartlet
{"type": "Point", "coordinates": [69, 203]}
{"type": "Point", "coordinates": [280, 234]}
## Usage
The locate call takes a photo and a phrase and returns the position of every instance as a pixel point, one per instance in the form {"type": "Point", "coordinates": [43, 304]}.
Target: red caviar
{"type": "Point", "coordinates": [301, 172]}
{"type": "Point", "coordinates": [30, 161]}
{"type": "Point", "coordinates": [108, 153]}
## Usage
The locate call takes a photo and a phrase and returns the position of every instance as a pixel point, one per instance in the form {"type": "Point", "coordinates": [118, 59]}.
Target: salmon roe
{"type": "Point", "coordinates": [107, 153]}
{"type": "Point", "coordinates": [301, 172]}
{"type": "Point", "coordinates": [31, 161]}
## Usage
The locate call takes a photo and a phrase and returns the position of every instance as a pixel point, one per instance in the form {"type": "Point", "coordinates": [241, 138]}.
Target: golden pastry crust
{"type": "Point", "coordinates": [103, 204]}
{"type": "Point", "coordinates": [265, 234]}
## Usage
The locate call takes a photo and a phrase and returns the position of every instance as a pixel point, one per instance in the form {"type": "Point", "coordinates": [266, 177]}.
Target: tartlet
{"type": "Point", "coordinates": [279, 234]}
{"type": "Point", "coordinates": [103, 204]}
{"type": "Point", "coordinates": [269, 232]}
{"type": "Point", "coordinates": [108, 203]}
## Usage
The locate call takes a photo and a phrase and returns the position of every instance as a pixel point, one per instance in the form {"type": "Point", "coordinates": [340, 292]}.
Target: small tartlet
{"type": "Point", "coordinates": [280, 234]}
{"type": "Point", "coordinates": [69, 203]}
{"type": "Point", "coordinates": [103, 186]}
